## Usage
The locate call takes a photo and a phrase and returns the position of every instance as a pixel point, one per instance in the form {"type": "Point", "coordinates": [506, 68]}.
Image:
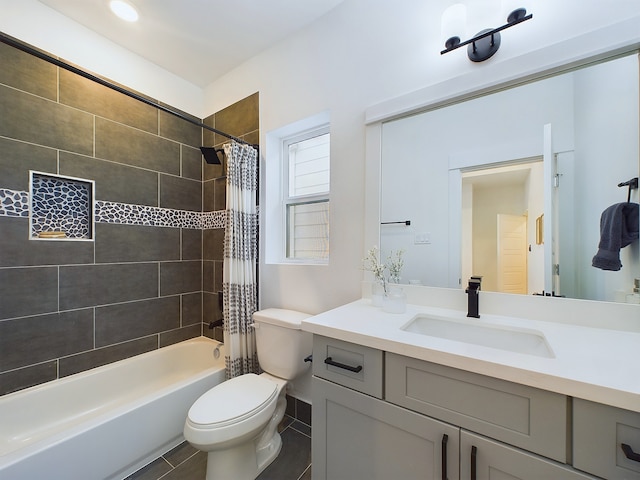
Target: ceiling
{"type": "Point", "coordinates": [198, 40]}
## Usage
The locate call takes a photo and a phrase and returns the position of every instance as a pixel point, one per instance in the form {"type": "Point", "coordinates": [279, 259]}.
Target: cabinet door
{"type": "Point", "coordinates": [356, 436]}
{"type": "Point", "coordinates": [485, 459]}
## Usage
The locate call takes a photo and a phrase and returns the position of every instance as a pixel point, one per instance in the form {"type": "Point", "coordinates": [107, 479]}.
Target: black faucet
{"type": "Point", "coordinates": [473, 295]}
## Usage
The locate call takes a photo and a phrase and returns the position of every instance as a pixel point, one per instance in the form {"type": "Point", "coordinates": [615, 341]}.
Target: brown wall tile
{"type": "Point", "coordinates": [136, 243]}
{"type": "Point", "coordinates": [28, 376]}
{"type": "Point", "coordinates": [17, 250]}
{"type": "Point", "coordinates": [17, 158]}
{"type": "Point", "coordinates": [191, 309]}
{"type": "Point", "coordinates": [213, 244]}
{"type": "Point", "coordinates": [28, 291]}
{"type": "Point", "coordinates": [180, 130]}
{"type": "Point", "coordinates": [129, 146]}
{"type": "Point", "coordinates": [30, 340]}
{"type": "Point", "coordinates": [180, 277]}
{"type": "Point", "coordinates": [90, 285]}
{"type": "Point", "coordinates": [180, 193]}
{"type": "Point", "coordinates": [191, 244]}
{"type": "Point", "coordinates": [127, 321]}
{"type": "Point", "coordinates": [114, 182]}
{"type": "Point", "coordinates": [36, 120]}
{"type": "Point", "coordinates": [192, 163]}
{"type": "Point", "coordinates": [89, 96]}
{"type": "Point", "coordinates": [238, 119]}
{"type": "Point", "coordinates": [28, 73]}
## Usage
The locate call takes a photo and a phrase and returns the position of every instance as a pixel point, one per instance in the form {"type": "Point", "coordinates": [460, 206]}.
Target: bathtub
{"type": "Point", "coordinates": [107, 422]}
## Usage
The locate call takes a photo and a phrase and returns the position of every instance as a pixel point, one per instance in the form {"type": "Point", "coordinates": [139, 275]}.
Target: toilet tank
{"type": "Point", "coordinates": [282, 345]}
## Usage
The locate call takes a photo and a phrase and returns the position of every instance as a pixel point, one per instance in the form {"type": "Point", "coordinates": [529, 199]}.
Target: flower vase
{"type": "Point", "coordinates": [377, 293]}
{"type": "Point", "coordinates": [395, 300]}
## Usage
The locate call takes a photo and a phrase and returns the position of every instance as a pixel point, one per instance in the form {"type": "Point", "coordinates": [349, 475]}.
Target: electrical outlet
{"type": "Point", "coordinates": [422, 238]}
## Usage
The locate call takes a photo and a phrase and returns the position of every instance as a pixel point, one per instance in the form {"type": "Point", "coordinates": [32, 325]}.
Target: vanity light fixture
{"type": "Point", "coordinates": [486, 42]}
{"type": "Point", "coordinates": [124, 10]}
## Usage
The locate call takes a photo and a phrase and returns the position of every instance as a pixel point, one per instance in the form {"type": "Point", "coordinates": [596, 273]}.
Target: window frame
{"type": "Point", "coordinates": [288, 201]}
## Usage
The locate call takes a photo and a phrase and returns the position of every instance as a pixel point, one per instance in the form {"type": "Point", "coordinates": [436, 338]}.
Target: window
{"type": "Point", "coordinates": [306, 195]}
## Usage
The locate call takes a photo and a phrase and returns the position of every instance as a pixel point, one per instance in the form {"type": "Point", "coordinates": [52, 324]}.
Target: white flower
{"type": "Point", "coordinates": [372, 264]}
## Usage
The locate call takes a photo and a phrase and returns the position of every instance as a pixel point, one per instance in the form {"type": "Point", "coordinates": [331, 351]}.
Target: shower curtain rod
{"type": "Point", "coordinates": [43, 56]}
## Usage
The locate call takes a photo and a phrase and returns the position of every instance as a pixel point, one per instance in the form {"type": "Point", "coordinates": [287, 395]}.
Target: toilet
{"type": "Point", "coordinates": [236, 422]}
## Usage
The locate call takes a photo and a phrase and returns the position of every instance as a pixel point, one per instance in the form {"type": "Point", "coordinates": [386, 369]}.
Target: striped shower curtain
{"type": "Point", "coordinates": [240, 297]}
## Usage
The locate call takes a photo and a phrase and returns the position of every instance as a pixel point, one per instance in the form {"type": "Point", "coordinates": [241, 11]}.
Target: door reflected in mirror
{"type": "Point", "coordinates": [499, 230]}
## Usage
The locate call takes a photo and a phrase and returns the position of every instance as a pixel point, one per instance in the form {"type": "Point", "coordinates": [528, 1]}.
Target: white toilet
{"type": "Point", "coordinates": [236, 422]}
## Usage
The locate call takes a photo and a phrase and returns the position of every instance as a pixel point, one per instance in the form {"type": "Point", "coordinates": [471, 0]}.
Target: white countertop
{"type": "Point", "coordinates": [597, 364]}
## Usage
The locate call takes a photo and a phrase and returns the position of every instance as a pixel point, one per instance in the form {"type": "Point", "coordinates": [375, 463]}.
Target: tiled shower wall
{"type": "Point", "coordinates": [66, 306]}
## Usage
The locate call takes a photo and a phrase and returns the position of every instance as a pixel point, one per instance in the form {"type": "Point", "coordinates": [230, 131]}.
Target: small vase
{"type": "Point", "coordinates": [377, 293]}
{"type": "Point", "coordinates": [395, 300]}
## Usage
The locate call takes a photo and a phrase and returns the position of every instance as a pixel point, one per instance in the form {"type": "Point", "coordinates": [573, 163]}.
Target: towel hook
{"type": "Point", "coordinates": [632, 184]}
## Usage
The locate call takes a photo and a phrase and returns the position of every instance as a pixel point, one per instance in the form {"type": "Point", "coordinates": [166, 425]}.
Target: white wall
{"type": "Point", "coordinates": [42, 27]}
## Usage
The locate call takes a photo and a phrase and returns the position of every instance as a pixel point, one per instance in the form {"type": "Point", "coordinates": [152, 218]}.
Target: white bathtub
{"type": "Point", "coordinates": [107, 422]}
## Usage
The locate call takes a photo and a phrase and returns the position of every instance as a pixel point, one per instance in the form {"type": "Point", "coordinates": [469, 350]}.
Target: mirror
{"type": "Point", "coordinates": [549, 153]}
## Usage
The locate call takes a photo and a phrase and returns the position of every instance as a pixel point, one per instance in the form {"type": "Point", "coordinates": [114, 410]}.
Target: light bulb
{"type": "Point", "coordinates": [124, 10]}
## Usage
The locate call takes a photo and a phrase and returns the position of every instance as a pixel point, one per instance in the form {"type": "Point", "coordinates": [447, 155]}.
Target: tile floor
{"type": "Point", "coordinates": [294, 462]}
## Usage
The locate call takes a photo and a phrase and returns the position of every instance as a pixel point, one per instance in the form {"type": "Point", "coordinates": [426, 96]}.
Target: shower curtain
{"type": "Point", "coordinates": [240, 256]}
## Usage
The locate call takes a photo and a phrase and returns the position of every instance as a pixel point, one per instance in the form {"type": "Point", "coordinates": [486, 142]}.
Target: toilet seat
{"type": "Point", "coordinates": [232, 401]}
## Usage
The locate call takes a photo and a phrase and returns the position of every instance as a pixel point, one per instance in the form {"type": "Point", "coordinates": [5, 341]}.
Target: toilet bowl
{"type": "Point", "coordinates": [236, 422]}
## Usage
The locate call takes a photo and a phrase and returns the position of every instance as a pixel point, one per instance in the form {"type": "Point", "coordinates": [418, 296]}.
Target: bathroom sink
{"type": "Point", "coordinates": [502, 337]}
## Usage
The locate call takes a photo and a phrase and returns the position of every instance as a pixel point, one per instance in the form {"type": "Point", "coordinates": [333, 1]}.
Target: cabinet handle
{"type": "Point", "coordinates": [474, 455]}
{"type": "Point", "coordinates": [629, 453]}
{"type": "Point", "coordinates": [329, 361]}
{"type": "Point", "coordinates": [445, 439]}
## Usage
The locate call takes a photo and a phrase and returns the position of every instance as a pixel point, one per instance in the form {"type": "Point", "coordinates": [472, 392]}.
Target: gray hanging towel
{"type": "Point", "coordinates": [618, 228]}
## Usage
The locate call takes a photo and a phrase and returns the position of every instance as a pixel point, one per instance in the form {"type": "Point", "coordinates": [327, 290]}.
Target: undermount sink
{"type": "Point", "coordinates": [508, 338]}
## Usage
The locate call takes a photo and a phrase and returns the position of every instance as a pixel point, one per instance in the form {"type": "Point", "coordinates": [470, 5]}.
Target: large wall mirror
{"type": "Point", "coordinates": [511, 185]}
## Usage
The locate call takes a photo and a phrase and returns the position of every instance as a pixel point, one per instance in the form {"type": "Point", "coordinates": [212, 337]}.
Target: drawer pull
{"type": "Point", "coordinates": [474, 455]}
{"type": "Point", "coordinates": [329, 361]}
{"type": "Point", "coordinates": [445, 439]}
{"type": "Point", "coordinates": [629, 453]}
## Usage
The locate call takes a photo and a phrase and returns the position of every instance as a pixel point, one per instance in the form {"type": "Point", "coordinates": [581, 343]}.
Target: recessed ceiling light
{"type": "Point", "coordinates": [124, 10]}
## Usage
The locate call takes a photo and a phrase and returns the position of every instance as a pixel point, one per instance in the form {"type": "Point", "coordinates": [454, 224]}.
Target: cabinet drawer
{"type": "Point", "coordinates": [598, 434]}
{"type": "Point", "coordinates": [526, 417]}
{"type": "Point", "coordinates": [350, 365]}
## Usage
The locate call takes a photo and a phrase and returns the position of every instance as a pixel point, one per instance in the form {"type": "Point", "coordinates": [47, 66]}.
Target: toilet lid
{"type": "Point", "coordinates": [233, 400]}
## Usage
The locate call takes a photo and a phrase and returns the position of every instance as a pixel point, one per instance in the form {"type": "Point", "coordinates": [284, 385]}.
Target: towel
{"type": "Point", "coordinates": [618, 228]}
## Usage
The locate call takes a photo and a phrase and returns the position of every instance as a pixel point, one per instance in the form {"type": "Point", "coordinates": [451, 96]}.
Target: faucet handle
{"type": "Point", "coordinates": [475, 282]}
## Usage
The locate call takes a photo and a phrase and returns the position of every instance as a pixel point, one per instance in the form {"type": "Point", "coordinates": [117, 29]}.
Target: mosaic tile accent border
{"type": "Point", "coordinates": [16, 204]}
{"type": "Point", "coordinates": [112, 212]}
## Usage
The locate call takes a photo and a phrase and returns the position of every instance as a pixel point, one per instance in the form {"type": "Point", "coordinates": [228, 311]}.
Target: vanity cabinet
{"type": "Point", "coordinates": [430, 421]}
{"type": "Point", "coordinates": [606, 440]}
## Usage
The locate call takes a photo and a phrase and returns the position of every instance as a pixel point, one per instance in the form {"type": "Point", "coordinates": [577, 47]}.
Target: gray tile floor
{"type": "Point", "coordinates": [186, 463]}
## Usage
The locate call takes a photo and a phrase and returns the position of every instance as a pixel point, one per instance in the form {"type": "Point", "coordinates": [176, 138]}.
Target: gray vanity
{"type": "Point", "coordinates": [393, 403]}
